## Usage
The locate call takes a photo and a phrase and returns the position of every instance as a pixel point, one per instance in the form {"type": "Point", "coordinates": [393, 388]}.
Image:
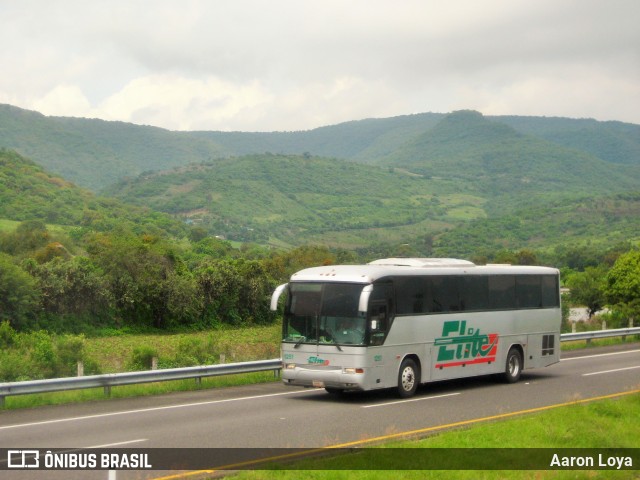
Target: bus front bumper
{"type": "Point", "coordinates": [331, 378]}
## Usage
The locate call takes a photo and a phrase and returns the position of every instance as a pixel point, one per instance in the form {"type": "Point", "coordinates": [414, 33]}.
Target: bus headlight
{"type": "Point", "coordinates": [352, 370]}
{"type": "Point", "coordinates": [289, 366]}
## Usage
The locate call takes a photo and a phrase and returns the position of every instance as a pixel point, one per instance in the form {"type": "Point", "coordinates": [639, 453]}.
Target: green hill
{"type": "Point", "coordinates": [27, 192]}
{"type": "Point", "coordinates": [389, 181]}
{"type": "Point", "coordinates": [606, 220]}
{"type": "Point", "coordinates": [94, 153]}
{"type": "Point", "coordinates": [302, 199]}
{"type": "Point", "coordinates": [358, 140]}
{"type": "Point", "coordinates": [292, 200]}
{"type": "Point", "coordinates": [296, 199]}
{"type": "Point", "coordinates": [497, 162]}
{"type": "Point", "coordinates": [614, 142]}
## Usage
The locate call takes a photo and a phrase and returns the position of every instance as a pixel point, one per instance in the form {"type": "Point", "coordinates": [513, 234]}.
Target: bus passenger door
{"type": "Point", "coordinates": [379, 320]}
{"type": "Point", "coordinates": [378, 328]}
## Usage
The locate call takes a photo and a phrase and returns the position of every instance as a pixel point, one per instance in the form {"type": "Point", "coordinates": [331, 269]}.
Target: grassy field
{"type": "Point", "coordinates": [11, 225]}
{"type": "Point", "coordinates": [8, 225]}
{"type": "Point", "coordinates": [236, 345]}
{"type": "Point", "coordinates": [116, 353]}
{"type": "Point", "coordinates": [602, 342]}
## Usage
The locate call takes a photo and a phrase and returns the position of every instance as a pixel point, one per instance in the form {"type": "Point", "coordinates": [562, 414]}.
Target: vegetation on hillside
{"type": "Point", "coordinates": [614, 142]}
{"type": "Point", "coordinates": [581, 221]}
{"type": "Point", "coordinates": [508, 167]}
{"type": "Point", "coordinates": [292, 198]}
{"type": "Point", "coordinates": [296, 199]}
{"type": "Point", "coordinates": [27, 192]}
{"type": "Point", "coordinates": [94, 153]}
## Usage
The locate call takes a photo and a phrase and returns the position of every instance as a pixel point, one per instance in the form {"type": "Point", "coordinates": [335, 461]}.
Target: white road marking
{"type": "Point", "coordinates": [410, 400]}
{"type": "Point", "coordinates": [610, 371]}
{"type": "Point", "coordinates": [598, 355]}
{"type": "Point", "coordinates": [117, 444]}
{"type": "Point", "coordinates": [152, 409]}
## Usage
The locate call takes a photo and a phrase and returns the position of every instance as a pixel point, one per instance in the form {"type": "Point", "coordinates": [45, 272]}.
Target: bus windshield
{"type": "Point", "coordinates": [324, 313]}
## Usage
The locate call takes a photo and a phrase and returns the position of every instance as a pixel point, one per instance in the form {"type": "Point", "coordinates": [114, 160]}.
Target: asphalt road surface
{"type": "Point", "coordinates": [272, 415]}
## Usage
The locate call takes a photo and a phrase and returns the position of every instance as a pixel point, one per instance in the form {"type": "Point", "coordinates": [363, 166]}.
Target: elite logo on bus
{"type": "Point", "coordinates": [317, 360]}
{"type": "Point", "coordinates": [460, 346]}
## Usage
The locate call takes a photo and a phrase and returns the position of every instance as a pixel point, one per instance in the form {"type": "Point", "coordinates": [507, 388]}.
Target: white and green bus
{"type": "Point", "coordinates": [399, 322]}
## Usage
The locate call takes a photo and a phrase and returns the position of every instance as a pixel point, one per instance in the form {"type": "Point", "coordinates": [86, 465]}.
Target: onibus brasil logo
{"type": "Point", "coordinates": [461, 346]}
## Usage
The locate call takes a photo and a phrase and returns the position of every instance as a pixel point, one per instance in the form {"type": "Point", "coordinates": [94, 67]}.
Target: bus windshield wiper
{"type": "Point", "coordinates": [302, 339]}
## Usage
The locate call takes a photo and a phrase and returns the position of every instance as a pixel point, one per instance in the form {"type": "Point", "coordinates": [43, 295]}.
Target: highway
{"type": "Point", "coordinates": [272, 415]}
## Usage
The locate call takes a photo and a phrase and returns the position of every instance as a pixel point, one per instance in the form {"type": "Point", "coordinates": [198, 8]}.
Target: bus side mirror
{"type": "Point", "coordinates": [363, 304]}
{"type": "Point", "coordinates": [276, 295]}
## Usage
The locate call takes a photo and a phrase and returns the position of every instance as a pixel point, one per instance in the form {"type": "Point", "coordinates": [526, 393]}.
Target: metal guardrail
{"type": "Point", "coordinates": [129, 378]}
{"type": "Point", "coordinates": [618, 332]}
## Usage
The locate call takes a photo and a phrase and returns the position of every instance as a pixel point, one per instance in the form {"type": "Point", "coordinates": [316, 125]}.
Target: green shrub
{"type": "Point", "coordinates": [614, 319]}
{"type": "Point", "coordinates": [14, 367]}
{"type": "Point", "coordinates": [7, 335]}
{"type": "Point", "coordinates": [141, 358]}
{"type": "Point", "coordinates": [69, 351]}
{"type": "Point", "coordinates": [43, 355]}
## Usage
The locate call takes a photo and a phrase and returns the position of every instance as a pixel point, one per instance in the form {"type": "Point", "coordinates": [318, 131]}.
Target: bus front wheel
{"type": "Point", "coordinates": [513, 366]}
{"type": "Point", "coordinates": [408, 378]}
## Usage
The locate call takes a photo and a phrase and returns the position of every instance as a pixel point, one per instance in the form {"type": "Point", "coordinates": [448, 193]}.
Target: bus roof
{"type": "Point", "coordinates": [390, 267]}
{"type": "Point", "coordinates": [423, 262]}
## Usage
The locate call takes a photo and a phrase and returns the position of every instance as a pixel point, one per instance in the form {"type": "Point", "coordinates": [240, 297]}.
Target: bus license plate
{"type": "Point", "coordinates": [318, 384]}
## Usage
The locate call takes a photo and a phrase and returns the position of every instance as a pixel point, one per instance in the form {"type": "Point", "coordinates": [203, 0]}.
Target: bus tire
{"type": "Point", "coordinates": [513, 366]}
{"type": "Point", "coordinates": [408, 378]}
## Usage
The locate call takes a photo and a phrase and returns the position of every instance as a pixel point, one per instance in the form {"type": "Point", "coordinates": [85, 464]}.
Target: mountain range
{"type": "Point", "coordinates": [421, 178]}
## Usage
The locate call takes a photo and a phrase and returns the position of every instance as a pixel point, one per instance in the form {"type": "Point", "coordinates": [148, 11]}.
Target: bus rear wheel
{"type": "Point", "coordinates": [513, 366]}
{"type": "Point", "coordinates": [408, 378]}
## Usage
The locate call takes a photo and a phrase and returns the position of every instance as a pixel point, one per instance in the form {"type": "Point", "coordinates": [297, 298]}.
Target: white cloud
{"type": "Point", "coordinates": [287, 64]}
{"type": "Point", "coordinates": [64, 100]}
{"type": "Point", "coordinates": [180, 103]}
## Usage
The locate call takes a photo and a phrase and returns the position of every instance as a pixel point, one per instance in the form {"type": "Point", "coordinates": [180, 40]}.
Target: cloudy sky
{"type": "Point", "coordinates": [265, 65]}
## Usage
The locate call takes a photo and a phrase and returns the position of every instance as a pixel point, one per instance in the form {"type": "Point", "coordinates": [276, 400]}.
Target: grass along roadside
{"type": "Point", "coordinates": [612, 423]}
{"type": "Point", "coordinates": [114, 354]}
{"type": "Point", "coordinates": [119, 353]}
{"type": "Point", "coordinates": [139, 390]}
{"type": "Point", "coordinates": [599, 342]}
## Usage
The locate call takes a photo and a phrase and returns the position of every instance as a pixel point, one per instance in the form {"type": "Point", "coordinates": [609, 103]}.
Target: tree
{"type": "Point", "coordinates": [587, 288]}
{"type": "Point", "coordinates": [622, 288]}
{"type": "Point", "coordinates": [197, 233]}
{"type": "Point", "coordinates": [526, 256]}
{"type": "Point", "coordinates": [505, 256]}
{"type": "Point", "coordinates": [219, 284]}
{"type": "Point", "coordinates": [28, 236]}
{"type": "Point", "coordinates": [141, 272]}
{"type": "Point", "coordinates": [282, 265]}
{"type": "Point", "coordinates": [18, 294]}
{"type": "Point", "coordinates": [255, 291]}
{"type": "Point", "coordinates": [74, 286]}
